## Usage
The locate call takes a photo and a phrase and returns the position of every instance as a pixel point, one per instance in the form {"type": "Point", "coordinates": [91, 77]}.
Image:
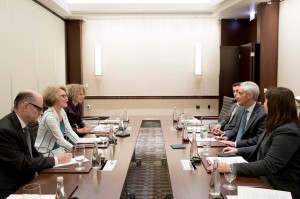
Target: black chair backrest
{"type": "Point", "coordinates": [227, 103]}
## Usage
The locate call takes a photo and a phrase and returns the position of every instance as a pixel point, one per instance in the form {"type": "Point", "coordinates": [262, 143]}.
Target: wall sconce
{"type": "Point", "coordinates": [198, 60]}
{"type": "Point", "coordinates": [98, 61]}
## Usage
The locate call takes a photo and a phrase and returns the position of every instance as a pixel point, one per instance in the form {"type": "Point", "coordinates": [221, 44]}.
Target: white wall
{"type": "Point", "coordinates": [151, 56]}
{"type": "Point", "coordinates": [289, 45]}
{"type": "Point", "coordinates": [32, 53]}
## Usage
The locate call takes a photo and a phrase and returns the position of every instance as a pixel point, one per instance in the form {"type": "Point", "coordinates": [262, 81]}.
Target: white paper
{"type": "Point", "coordinates": [87, 140]}
{"type": "Point", "coordinates": [73, 161]}
{"type": "Point", "coordinates": [105, 128]}
{"type": "Point", "coordinates": [238, 159]}
{"type": "Point", "coordinates": [186, 165]}
{"type": "Point", "coordinates": [245, 192]}
{"type": "Point", "coordinates": [172, 128]}
{"type": "Point", "coordinates": [199, 139]}
{"type": "Point", "coordinates": [110, 165]}
{"type": "Point", "coordinates": [20, 196]}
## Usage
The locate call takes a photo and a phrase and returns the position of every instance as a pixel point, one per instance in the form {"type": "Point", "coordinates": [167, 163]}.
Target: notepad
{"type": "Point", "coordinates": [178, 146]}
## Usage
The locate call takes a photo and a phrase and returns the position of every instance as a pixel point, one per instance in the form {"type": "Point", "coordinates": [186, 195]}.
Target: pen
{"type": "Point", "coordinates": [61, 168]}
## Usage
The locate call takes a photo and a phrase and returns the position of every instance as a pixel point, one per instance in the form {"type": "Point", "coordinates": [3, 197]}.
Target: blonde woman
{"type": "Point", "coordinates": [76, 93]}
{"type": "Point", "coordinates": [55, 134]}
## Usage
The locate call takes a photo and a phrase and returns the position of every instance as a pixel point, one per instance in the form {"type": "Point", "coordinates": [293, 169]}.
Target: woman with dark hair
{"type": "Point", "coordinates": [277, 153]}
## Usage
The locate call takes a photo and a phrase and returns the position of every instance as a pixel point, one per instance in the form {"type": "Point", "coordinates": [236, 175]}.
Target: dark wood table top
{"type": "Point", "coordinates": [95, 184]}
{"type": "Point", "coordinates": [195, 183]}
{"type": "Point", "coordinates": [109, 184]}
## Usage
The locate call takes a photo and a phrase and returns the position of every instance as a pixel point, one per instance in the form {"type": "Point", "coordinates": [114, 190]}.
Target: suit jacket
{"type": "Point", "coordinates": [226, 123]}
{"type": "Point", "coordinates": [253, 130]}
{"type": "Point", "coordinates": [278, 159]}
{"type": "Point", "coordinates": [17, 167]}
{"type": "Point", "coordinates": [74, 114]}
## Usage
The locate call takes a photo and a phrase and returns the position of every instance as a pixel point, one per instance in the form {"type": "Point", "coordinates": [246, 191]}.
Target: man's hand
{"type": "Point", "coordinates": [230, 150]}
{"type": "Point", "coordinates": [220, 138]}
{"type": "Point", "coordinates": [216, 128]}
{"type": "Point", "coordinates": [228, 143]}
{"type": "Point", "coordinates": [64, 158]}
{"type": "Point", "coordinates": [223, 167]}
{"type": "Point", "coordinates": [217, 132]}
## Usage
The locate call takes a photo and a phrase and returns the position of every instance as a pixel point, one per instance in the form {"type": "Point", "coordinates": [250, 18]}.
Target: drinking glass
{"type": "Point", "coordinates": [206, 141]}
{"type": "Point", "coordinates": [230, 175]}
{"type": "Point", "coordinates": [32, 191]}
{"type": "Point", "coordinates": [79, 156]}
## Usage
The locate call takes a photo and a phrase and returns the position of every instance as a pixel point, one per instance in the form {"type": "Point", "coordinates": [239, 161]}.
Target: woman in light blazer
{"type": "Point", "coordinates": [55, 134]}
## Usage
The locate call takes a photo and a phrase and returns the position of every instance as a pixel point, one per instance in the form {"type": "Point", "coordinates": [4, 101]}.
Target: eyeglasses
{"type": "Point", "coordinates": [64, 96]}
{"type": "Point", "coordinates": [39, 109]}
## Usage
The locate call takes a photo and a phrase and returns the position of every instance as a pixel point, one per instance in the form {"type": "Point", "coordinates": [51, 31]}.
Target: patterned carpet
{"type": "Point", "coordinates": [150, 180]}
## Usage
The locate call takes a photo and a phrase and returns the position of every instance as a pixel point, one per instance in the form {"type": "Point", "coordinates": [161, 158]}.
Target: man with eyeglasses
{"type": "Point", "coordinates": [19, 160]}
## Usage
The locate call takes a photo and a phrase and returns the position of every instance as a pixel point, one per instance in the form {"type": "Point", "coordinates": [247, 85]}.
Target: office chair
{"type": "Point", "coordinates": [227, 103]}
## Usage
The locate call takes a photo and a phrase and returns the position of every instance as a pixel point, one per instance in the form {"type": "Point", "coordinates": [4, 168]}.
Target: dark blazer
{"type": "Point", "coordinates": [278, 159]}
{"type": "Point", "coordinates": [74, 114]}
{"type": "Point", "coordinates": [253, 130]}
{"type": "Point", "coordinates": [17, 167]}
{"type": "Point", "coordinates": [226, 123]}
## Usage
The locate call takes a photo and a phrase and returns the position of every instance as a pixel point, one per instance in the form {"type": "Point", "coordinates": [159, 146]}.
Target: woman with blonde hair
{"type": "Point", "coordinates": [76, 93]}
{"type": "Point", "coordinates": [55, 134]}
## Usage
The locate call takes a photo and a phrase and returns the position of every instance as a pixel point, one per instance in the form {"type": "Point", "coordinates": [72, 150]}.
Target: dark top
{"type": "Point", "coordinates": [231, 120]}
{"type": "Point", "coordinates": [278, 159]}
{"type": "Point", "coordinates": [74, 114]}
{"type": "Point", "coordinates": [17, 167]}
{"type": "Point", "coordinates": [253, 130]}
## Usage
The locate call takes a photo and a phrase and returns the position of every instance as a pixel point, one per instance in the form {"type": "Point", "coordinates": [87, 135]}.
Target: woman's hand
{"type": "Point", "coordinates": [230, 150]}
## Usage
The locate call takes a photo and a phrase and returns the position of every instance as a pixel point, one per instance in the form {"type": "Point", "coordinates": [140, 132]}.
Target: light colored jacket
{"type": "Point", "coordinates": [49, 133]}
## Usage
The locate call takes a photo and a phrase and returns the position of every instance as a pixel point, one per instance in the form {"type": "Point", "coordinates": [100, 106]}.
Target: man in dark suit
{"type": "Point", "coordinates": [251, 122]}
{"type": "Point", "coordinates": [230, 121]}
{"type": "Point", "coordinates": [19, 160]}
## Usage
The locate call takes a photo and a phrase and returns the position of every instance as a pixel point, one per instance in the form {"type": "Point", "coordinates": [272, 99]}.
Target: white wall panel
{"type": "Point", "coordinates": [32, 49]}
{"type": "Point", "coordinates": [289, 43]}
{"type": "Point", "coordinates": [151, 56]}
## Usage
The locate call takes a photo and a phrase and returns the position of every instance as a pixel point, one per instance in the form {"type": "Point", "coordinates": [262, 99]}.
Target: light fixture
{"type": "Point", "coordinates": [198, 60]}
{"type": "Point", "coordinates": [98, 60]}
{"type": "Point", "coordinates": [274, 1]}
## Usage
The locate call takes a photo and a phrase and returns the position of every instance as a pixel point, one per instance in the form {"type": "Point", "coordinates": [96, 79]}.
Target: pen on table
{"type": "Point", "coordinates": [58, 168]}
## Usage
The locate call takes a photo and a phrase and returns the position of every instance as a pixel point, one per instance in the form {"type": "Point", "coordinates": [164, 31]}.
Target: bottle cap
{"type": "Point", "coordinates": [60, 178]}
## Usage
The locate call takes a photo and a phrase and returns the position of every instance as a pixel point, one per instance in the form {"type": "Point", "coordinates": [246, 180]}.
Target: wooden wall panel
{"type": "Point", "coordinates": [269, 21]}
{"type": "Point", "coordinates": [74, 47]}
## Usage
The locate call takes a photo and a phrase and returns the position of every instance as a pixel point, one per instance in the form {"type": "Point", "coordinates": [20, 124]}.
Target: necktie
{"type": "Point", "coordinates": [242, 126]}
{"type": "Point", "coordinates": [233, 113]}
{"type": "Point", "coordinates": [28, 140]}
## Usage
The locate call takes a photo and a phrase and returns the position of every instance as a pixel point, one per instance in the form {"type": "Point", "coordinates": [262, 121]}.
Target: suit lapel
{"type": "Point", "coordinates": [20, 131]}
{"type": "Point", "coordinates": [252, 118]}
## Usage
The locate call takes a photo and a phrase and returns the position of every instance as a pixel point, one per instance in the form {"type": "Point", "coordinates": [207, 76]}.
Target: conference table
{"type": "Point", "coordinates": [92, 183]}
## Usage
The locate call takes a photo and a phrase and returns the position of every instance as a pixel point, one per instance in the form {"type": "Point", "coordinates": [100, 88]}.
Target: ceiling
{"type": "Point", "coordinates": [95, 9]}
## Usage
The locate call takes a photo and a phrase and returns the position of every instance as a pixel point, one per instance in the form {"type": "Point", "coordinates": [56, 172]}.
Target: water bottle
{"type": "Point", "coordinates": [60, 191]}
{"type": "Point", "coordinates": [215, 180]}
{"type": "Point", "coordinates": [125, 117]}
{"type": "Point", "coordinates": [179, 122]}
{"type": "Point", "coordinates": [185, 137]}
{"type": "Point", "coordinates": [174, 115]}
{"type": "Point", "coordinates": [96, 159]}
{"type": "Point", "coordinates": [111, 135]}
{"type": "Point", "coordinates": [194, 155]}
